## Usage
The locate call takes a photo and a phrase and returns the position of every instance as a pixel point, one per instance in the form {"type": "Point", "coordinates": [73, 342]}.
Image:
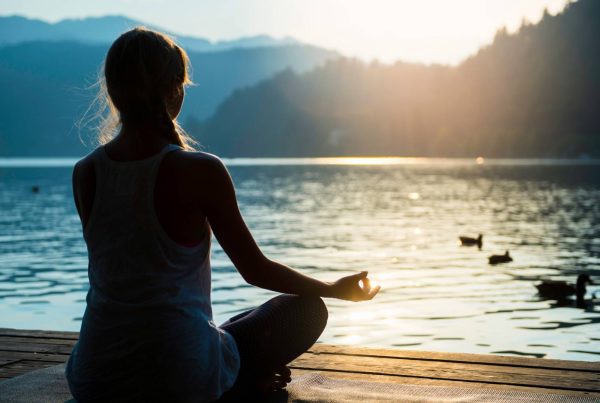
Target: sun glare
{"type": "Point", "coordinates": [425, 31]}
{"type": "Point", "coordinates": [369, 161]}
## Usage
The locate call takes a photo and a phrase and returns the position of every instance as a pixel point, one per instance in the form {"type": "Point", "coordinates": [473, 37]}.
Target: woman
{"type": "Point", "coordinates": [147, 204]}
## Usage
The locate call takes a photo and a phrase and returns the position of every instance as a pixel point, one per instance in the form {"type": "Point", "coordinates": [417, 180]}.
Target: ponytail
{"type": "Point", "coordinates": [167, 126]}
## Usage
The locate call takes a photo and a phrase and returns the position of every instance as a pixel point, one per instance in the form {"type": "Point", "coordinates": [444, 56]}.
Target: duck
{"type": "Point", "coordinates": [496, 259]}
{"type": "Point", "coordinates": [469, 241]}
{"type": "Point", "coordinates": [559, 290]}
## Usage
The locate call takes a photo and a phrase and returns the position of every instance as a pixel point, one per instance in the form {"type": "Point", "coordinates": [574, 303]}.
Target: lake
{"type": "Point", "coordinates": [397, 218]}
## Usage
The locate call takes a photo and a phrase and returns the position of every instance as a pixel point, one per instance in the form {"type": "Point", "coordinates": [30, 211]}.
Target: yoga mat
{"type": "Point", "coordinates": [49, 385]}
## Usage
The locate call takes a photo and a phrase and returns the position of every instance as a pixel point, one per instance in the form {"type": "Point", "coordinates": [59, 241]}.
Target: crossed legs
{"type": "Point", "coordinates": [272, 335]}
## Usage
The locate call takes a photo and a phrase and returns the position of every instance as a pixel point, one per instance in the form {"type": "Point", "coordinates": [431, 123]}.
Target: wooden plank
{"type": "Point", "coordinates": [22, 367]}
{"type": "Point", "coordinates": [452, 371]}
{"type": "Point", "coordinates": [33, 356]}
{"type": "Point", "coordinates": [25, 350]}
{"type": "Point", "coordinates": [349, 350]}
{"type": "Point", "coordinates": [436, 382]}
{"type": "Point", "coordinates": [5, 360]}
{"type": "Point", "coordinates": [457, 357]}
{"type": "Point", "coordinates": [553, 379]}
{"type": "Point", "coordinates": [36, 340]}
{"type": "Point", "coordinates": [39, 333]}
{"type": "Point", "coordinates": [35, 347]}
{"type": "Point", "coordinates": [26, 366]}
{"type": "Point", "coordinates": [469, 371]}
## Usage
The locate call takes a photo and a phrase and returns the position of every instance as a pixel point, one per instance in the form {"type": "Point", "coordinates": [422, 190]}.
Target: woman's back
{"type": "Point", "coordinates": [178, 190]}
{"type": "Point", "coordinates": [148, 306]}
{"type": "Point", "coordinates": [147, 332]}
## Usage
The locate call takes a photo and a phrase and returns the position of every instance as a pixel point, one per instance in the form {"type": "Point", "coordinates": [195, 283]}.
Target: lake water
{"type": "Point", "coordinates": [397, 218]}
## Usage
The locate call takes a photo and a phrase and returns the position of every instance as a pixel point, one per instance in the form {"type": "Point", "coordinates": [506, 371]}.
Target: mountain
{"type": "Point", "coordinates": [534, 93]}
{"type": "Point", "coordinates": [46, 86]}
{"type": "Point", "coordinates": [104, 30]}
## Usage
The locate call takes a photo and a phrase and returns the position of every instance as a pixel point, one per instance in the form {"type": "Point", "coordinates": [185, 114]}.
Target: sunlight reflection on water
{"type": "Point", "coordinates": [399, 221]}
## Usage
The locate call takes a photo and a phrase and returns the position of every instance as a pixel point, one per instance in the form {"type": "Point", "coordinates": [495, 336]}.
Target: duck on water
{"type": "Point", "coordinates": [496, 259]}
{"type": "Point", "coordinates": [560, 290]}
{"type": "Point", "coordinates": [469, 241]}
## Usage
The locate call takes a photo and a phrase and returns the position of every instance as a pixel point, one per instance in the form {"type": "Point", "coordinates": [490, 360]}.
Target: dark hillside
{"type": "Point", "coordinates": [531, 94]}
{"type": "Point", "coordinates": [45, 88]}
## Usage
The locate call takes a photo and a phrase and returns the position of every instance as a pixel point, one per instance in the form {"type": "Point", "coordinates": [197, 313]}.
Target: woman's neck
{"type": "Point", "coordinates": [136, 143]}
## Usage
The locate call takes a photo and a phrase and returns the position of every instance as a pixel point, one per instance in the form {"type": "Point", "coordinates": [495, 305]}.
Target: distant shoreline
{"type": "Point", "coordinates": [66, 162]}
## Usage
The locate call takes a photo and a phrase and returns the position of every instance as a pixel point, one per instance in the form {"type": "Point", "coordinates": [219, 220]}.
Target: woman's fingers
{"type": "Point", "coordinates": [367, 294]}
{"type": "Point", "coordinates": [359, 276]}
{"type": "Point", "coordinates": [356, 287]}
{"type": "Point", "coordinates": [373, 291]}
{"type": "Point", "coordinates": [366, 284]}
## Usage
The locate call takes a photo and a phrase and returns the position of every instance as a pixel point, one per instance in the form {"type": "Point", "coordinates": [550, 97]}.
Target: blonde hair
{"type": "Point", "coordinates": [143, 70]}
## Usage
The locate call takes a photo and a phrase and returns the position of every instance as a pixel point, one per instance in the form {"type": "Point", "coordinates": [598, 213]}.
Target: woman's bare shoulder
{"type": "Point", "coordinates": [198, 175]}
{"type": "Point", "coordinates": [198, 157]}
{"type": "Point", "coordinates": [199, 165]}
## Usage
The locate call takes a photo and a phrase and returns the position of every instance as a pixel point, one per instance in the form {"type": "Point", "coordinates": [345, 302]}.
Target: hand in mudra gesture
{"type": "Point", "coordinates": [349, 288]}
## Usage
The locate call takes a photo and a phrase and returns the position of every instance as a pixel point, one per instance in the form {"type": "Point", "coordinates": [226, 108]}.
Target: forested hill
{"type": "Point", "coordinates": [535, 93]}
{"type": "Point", "coordinates": [45, 88]}
{"type": "Point", "coordinates": [46, 71]}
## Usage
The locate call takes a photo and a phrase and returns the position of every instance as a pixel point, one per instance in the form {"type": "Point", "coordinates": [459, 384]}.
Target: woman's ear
{"type": "Point", "coordinates": [175, 101]}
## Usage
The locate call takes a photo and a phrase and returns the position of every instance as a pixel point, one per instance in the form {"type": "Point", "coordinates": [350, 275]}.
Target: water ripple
{"type": "Point", "coordinates": [399, 221]}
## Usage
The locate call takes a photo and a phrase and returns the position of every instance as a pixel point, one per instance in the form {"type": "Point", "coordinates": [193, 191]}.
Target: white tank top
{"type": "Point", "coordinates": [148, 319]}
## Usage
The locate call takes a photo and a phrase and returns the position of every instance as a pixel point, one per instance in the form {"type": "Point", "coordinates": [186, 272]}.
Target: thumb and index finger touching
{"type": "Point", "coordinates": [368, 290]}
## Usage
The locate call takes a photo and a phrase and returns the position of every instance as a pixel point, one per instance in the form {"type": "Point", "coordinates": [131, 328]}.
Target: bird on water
{"type": "Point", "coordinates": [560, 290]}
{"type": "Point", "coordinates": [470, 241]}
{"type": "Point", "coordinates": [496, 259]}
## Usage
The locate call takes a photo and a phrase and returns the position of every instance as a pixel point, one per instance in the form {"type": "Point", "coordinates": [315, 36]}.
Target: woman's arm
{"type": "Point", "coordinates": [84, 188]}
{"type": "Point", "coordinates": [229, 227]}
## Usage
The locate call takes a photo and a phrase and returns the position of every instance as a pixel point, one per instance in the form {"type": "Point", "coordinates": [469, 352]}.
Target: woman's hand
{"type": "Point", "coordinates": [349, 289]}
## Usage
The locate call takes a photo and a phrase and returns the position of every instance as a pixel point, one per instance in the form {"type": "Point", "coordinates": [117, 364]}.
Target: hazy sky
{"type": "Point", "coordinates": [427, 31]}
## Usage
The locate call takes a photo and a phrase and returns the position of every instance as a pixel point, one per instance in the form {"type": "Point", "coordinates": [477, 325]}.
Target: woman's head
{"type": "Point", "coordinates": [145, 73]}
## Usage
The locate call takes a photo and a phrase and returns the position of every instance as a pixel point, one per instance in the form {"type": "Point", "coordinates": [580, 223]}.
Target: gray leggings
{"type": "Point", "coordinates": [272, 335]}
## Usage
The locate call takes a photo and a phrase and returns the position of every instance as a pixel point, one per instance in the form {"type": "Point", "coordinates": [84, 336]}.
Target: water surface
{"type": "Point", "coordinates": [397, 218]}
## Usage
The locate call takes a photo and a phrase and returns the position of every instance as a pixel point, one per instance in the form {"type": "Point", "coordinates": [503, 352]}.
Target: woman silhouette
{"type": "Point", "coordinates": [148, 203]}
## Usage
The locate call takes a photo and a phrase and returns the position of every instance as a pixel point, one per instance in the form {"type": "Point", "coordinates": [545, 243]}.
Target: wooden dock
{"type": "Point", "coordinates": [23, 351]}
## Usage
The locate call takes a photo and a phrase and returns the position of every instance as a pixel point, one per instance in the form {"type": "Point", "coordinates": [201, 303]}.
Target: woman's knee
{"type": "Point", "coordinates": [319, 310]}
{"type": "Point", "coordinates": [310, 308]}
{"type": "Point", "coordinates": [305, 308]}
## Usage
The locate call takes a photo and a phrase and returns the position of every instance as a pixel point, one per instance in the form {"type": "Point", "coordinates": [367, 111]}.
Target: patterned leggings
{"type": "Point", "coordinates": [274, 334]}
